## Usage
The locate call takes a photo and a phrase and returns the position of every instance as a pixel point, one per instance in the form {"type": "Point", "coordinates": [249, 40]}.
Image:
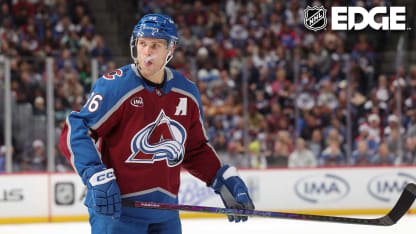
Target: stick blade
{"type": "Point", "coordinates": [402, 206]}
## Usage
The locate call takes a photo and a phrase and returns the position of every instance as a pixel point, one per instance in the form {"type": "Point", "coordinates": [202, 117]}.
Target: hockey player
{"type": "Point", "coordinates": [141, 124]}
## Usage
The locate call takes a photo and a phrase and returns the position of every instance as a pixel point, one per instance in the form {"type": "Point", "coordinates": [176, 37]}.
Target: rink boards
{"type": "Point", "coordinates": [44, 197]}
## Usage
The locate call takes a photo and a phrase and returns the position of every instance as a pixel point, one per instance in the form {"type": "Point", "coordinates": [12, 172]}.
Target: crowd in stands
{"type": "Point", "coordinates": [31, 31]}
{"type": "Point", "coordinates": [273, 93]}
{"type": "Point", "coordinates": [297, 100]}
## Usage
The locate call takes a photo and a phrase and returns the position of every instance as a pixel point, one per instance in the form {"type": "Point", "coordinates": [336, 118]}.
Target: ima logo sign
{"type": "Point", "coordinates": [356, 18]}
{"type": "Point", "coordinates": [164, 139]}
{"type": "Point", "coordinates": [388, 187]}
{"type": "Point", "coordinates": [322, 188]}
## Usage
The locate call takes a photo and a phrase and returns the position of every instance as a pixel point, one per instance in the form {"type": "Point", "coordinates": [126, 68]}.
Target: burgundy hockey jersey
{"type": "Point", "coordinates": [145, 133]}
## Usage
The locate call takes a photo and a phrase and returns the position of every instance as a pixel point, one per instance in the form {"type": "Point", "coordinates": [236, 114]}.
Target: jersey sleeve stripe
{"type": "Point", "coordinates": [68, 143]}
{"type": "Point", "coordinates": [147, 191]}
{"type": "Point", "coordinates": [115, 107]}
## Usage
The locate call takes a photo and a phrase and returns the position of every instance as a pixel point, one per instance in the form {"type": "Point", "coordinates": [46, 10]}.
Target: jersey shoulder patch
{"type": "Point", "coordinates": [117, 73]}
{"type": "Point", "coordinates": [114, 85]}
{"type": "Point", "coordinates": [113, 74]}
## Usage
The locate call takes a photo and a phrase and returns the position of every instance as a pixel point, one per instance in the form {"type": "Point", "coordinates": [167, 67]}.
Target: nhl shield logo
{"type": "Point", "coordinates": [315, 18]}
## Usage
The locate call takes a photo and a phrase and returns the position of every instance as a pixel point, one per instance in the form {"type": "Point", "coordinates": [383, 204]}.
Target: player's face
{"type": "Point", "coordinates": [152, 53]}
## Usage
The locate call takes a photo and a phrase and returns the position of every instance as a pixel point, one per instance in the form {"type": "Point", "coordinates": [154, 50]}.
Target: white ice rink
{"type": "Point", "coordinates": [406, 225]}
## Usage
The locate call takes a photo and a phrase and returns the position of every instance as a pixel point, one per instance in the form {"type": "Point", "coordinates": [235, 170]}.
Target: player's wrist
{"type": "Point", "coordinates": [223, 174]}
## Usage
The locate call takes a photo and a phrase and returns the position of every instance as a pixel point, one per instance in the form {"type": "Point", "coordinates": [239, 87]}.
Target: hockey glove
{"type": "Point", "coordinates": [104, 190]}
{"type": "Point", "coordinates": [233, 191]}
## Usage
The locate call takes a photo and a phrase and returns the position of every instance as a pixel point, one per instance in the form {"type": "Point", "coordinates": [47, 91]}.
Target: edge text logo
{"type": "Point", "coordinates": [356, 18]}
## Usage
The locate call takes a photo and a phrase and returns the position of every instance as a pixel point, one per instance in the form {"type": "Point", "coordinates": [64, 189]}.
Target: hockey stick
{"type": "Point", "coordinates": [400, 208]}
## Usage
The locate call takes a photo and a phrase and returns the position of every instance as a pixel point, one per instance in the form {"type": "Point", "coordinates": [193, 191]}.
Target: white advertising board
{"type": "Point", "coordinates": [58, 197]}
{"type": "Point", "coordinates": [24, 195]}
{"type": "Point", "coordinates": [67, 195]}
{"type": "Point", "coordinates": [364, 188]}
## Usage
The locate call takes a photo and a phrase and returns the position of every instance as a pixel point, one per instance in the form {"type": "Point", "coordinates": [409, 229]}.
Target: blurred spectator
{"type": "Point", "coordinates": [294, 14]}
{"type": "Point", "coordinates": [288, 36]}
{"type": "Point", "coordinates": [73, 89]}
{"type": "Point", "coordinates": [393, 142]}
{"type": "Point", "coordinates": [327, 98]}
{"type": "Point", "coordinates": [207, 73]}
{"type": "Point", "coordinates": [274, 117]}
{"type": "Point", "coordinates": [302, 157]}
{"type": "Point", "coordinates": [374, 131]}
{"type": "Point", "coordinates": [39, 106]}
{"type": "Point", "coordinates": [235, 154]}
{"type": "Point", "coordinates": [283, 147]}
{"type": "Point", "coordinates": [363, 54]}
{"type": "Point", "coordinates": [38, 156]}
{"type": "Point", "coordinates": [332, 155]}
{"type": "Point", "coordinates": [362, 155]}
{"type": "Point", "coordinates": [255, 119]}
{"type": "Point", "coordinates": [88, 39]}
{"type": "Point", "coordinates": [257, 159]}
{"type": "Point", "coordinates": [393, 125]}
{"type": "Point", "coordinates": [261, 103]}
{"type": "Point", "coordinates": [383, 157]}
{"type": "Point", "coordinates": [409, 156]}
{"type": "Point", "coordinates": [22, 11]}
{"type": "Point", "coordinates": [6, 13]}
{"type": "Point", "coordinates": [382, 92]}
{"type": "Point", "coordinates": [333, 135]}
{"type": "Point", "coordinates": [64, 27]}
{"type": "Point", "coordinates": [320, 56]}
{"type": "Point", "coordinates": [372, 145]}
{"type": "Point", "coordinates": [316, 143]}
{"type": "Point", "coordinates": [101, 49]}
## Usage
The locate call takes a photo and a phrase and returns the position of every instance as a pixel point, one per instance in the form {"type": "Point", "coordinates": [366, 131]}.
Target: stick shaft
{"type": "Point", "coordinates": [254, 213]}
{"type": "Point", "coordinates": [401, 207]}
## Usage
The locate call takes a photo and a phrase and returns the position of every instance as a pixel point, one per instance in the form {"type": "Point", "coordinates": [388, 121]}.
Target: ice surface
{"type": "Point", "coordinates": [218, 226]}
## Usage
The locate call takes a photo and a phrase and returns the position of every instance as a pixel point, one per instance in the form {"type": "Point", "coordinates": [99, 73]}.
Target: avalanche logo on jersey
{"type": "Point", "coordinates": [163, 139]}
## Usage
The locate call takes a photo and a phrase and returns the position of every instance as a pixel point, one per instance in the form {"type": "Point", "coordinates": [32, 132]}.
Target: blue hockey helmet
{"type": "Point", "coordinates": [154, 26]}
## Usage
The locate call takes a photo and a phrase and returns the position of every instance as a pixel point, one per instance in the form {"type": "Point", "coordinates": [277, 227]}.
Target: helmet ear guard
{"type": "Point", "coordinates": [133, 48]}
{"type": "Point", "coordinates": [171, 47]}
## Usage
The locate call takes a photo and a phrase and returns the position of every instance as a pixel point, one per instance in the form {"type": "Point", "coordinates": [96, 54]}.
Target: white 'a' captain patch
{"type": "Point", "coordinates": [182, 106]}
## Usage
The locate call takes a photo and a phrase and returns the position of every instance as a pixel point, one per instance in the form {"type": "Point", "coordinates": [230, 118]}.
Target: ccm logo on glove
{"type": "Point", "coordinates": [103, 177]}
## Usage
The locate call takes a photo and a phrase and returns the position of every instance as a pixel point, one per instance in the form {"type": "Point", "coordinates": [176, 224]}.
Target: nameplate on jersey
{"type": "Point", "coordinates": [163, 139]}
